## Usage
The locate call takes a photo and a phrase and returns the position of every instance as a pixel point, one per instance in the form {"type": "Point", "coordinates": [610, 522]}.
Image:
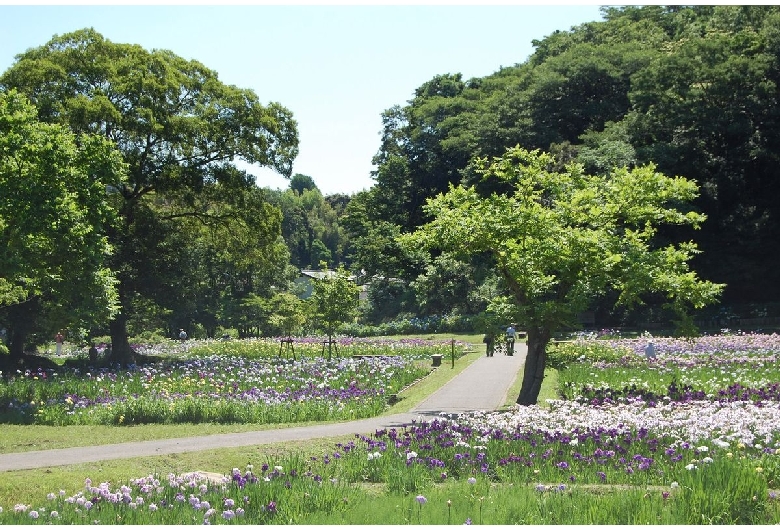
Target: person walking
{"type": "Point", "coordinates": [59, 339]}
{"type": "Point", "coordinates": [510, 339]}
{"type": "Point", "coordinates": [490, 342]}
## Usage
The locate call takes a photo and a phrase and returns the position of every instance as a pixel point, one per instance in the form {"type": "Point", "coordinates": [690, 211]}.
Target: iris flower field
{"type": "Point", "coordinates": [687, 437]}
{"type": "Point", "coordinates": [222, 382]}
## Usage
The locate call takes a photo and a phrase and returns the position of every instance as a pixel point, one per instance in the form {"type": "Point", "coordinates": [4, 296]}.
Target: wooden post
{"type": "Point", "coordinates": [453, 353]}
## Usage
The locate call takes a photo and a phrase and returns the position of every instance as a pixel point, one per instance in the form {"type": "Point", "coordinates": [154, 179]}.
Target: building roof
{"type": "Point", "coordinates": [318, 274]}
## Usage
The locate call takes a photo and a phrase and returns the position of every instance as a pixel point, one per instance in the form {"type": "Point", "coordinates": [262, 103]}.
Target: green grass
{"type": "Point", "coordinates": [22, 438]}
{"type": "Point", "coordinates": [32, 486]}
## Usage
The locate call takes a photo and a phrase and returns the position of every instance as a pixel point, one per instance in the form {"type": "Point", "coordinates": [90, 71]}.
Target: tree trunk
{"type": "Point", "coordinates": [16, 345]}
{"type": "Point", "coordinates": [330, 346]}
{"type": "Point", "coordinates": [21, 318]}
{"type": "Point", "coordinates": [535, 362]}
{"type": "Point", "coordinates": [120, 345]}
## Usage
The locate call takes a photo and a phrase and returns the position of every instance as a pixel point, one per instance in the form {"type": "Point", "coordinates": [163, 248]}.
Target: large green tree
{"type": "Point", "coordinates": [53, 217]}
{"type": "Point", "coordinates": [179, 129]}
{"type": "Point", "coordinates": [692, 89]}
{"type": "Point", "coordinates": [561, 239]}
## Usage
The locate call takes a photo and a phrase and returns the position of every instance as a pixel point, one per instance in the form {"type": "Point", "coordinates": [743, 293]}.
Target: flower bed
{"type": "Point", "coordinates": [622, 460]}
{"type": "Point", "coordinates": [221, 382]}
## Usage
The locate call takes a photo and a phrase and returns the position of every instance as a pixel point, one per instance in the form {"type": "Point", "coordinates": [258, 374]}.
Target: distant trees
{"type": "Point", "coordinates": [419, 155]}
{"type": "Point", "coordinates": [311, 224]}
{"type": "Point", "coordinates": [710, 111]}
{"type": "Point", "coordinates": [691, 89]}
{"type": "Point", "coordinates": [231, 263]}
{"type": "Point", "coordinates": [334, 301]}
{"type": "Point", "coordinates": [287, 315]}
{"type": "Point", "coordinates": [445, 286]}
{"type": "Point", "coordinates": [300, 183]}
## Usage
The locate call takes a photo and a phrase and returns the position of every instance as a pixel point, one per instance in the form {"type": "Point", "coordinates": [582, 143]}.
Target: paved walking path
{"type": "Point", "coordinates": [483, 385]}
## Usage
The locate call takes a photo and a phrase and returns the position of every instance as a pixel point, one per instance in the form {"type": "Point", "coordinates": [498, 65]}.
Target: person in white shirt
{"type": "Point", "coordinates": [650, 350]}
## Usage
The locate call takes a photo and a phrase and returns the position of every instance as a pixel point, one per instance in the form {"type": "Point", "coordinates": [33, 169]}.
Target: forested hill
{"type": "Point", "coordinates": [693, 90]}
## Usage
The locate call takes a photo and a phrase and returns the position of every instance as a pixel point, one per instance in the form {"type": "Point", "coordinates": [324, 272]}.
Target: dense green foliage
{"type": "Point", "coordinates": [179, 130]}
{"type": "Point", "coordinates": [53, 222]}
{"type": "Point", "coordinates": [692, 90]}
{"type": "Point", "coordinates": [334, 301]}
{"type": "Point", "coordinates": [564, 238]}
{"type": "Point", "coordinates": [310, 223]}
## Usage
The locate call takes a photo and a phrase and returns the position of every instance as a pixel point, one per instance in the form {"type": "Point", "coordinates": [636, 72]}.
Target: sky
{"type": "Point", "coordinates": [336, 67]}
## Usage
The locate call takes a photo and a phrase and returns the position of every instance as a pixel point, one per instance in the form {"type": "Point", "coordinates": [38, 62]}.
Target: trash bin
{"type": "Point", "coordinates": [436, 359]}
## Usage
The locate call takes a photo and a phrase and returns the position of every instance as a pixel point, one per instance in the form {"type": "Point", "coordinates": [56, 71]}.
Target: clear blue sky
{"type": "Point", "coordinates": [337, 68]}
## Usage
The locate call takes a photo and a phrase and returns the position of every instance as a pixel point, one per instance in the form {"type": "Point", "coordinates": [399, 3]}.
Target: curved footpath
{"type": "Point", "coordinates": [483, 385]}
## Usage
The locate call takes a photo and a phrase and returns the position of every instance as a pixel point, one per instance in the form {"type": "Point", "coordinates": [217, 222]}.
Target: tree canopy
{"type": "Point", "coordinates": [562, 238]}
{"type": "Point", "coordinates": [53, 221]}
{"type": "Point", "coordinates": [333, 301]}
{"type": "Point", "coordinates": [194, 243]}
{"type": "Point", "coordinates": [179, 130]}
{"type": "Point", "coordinates": [691, 89]}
